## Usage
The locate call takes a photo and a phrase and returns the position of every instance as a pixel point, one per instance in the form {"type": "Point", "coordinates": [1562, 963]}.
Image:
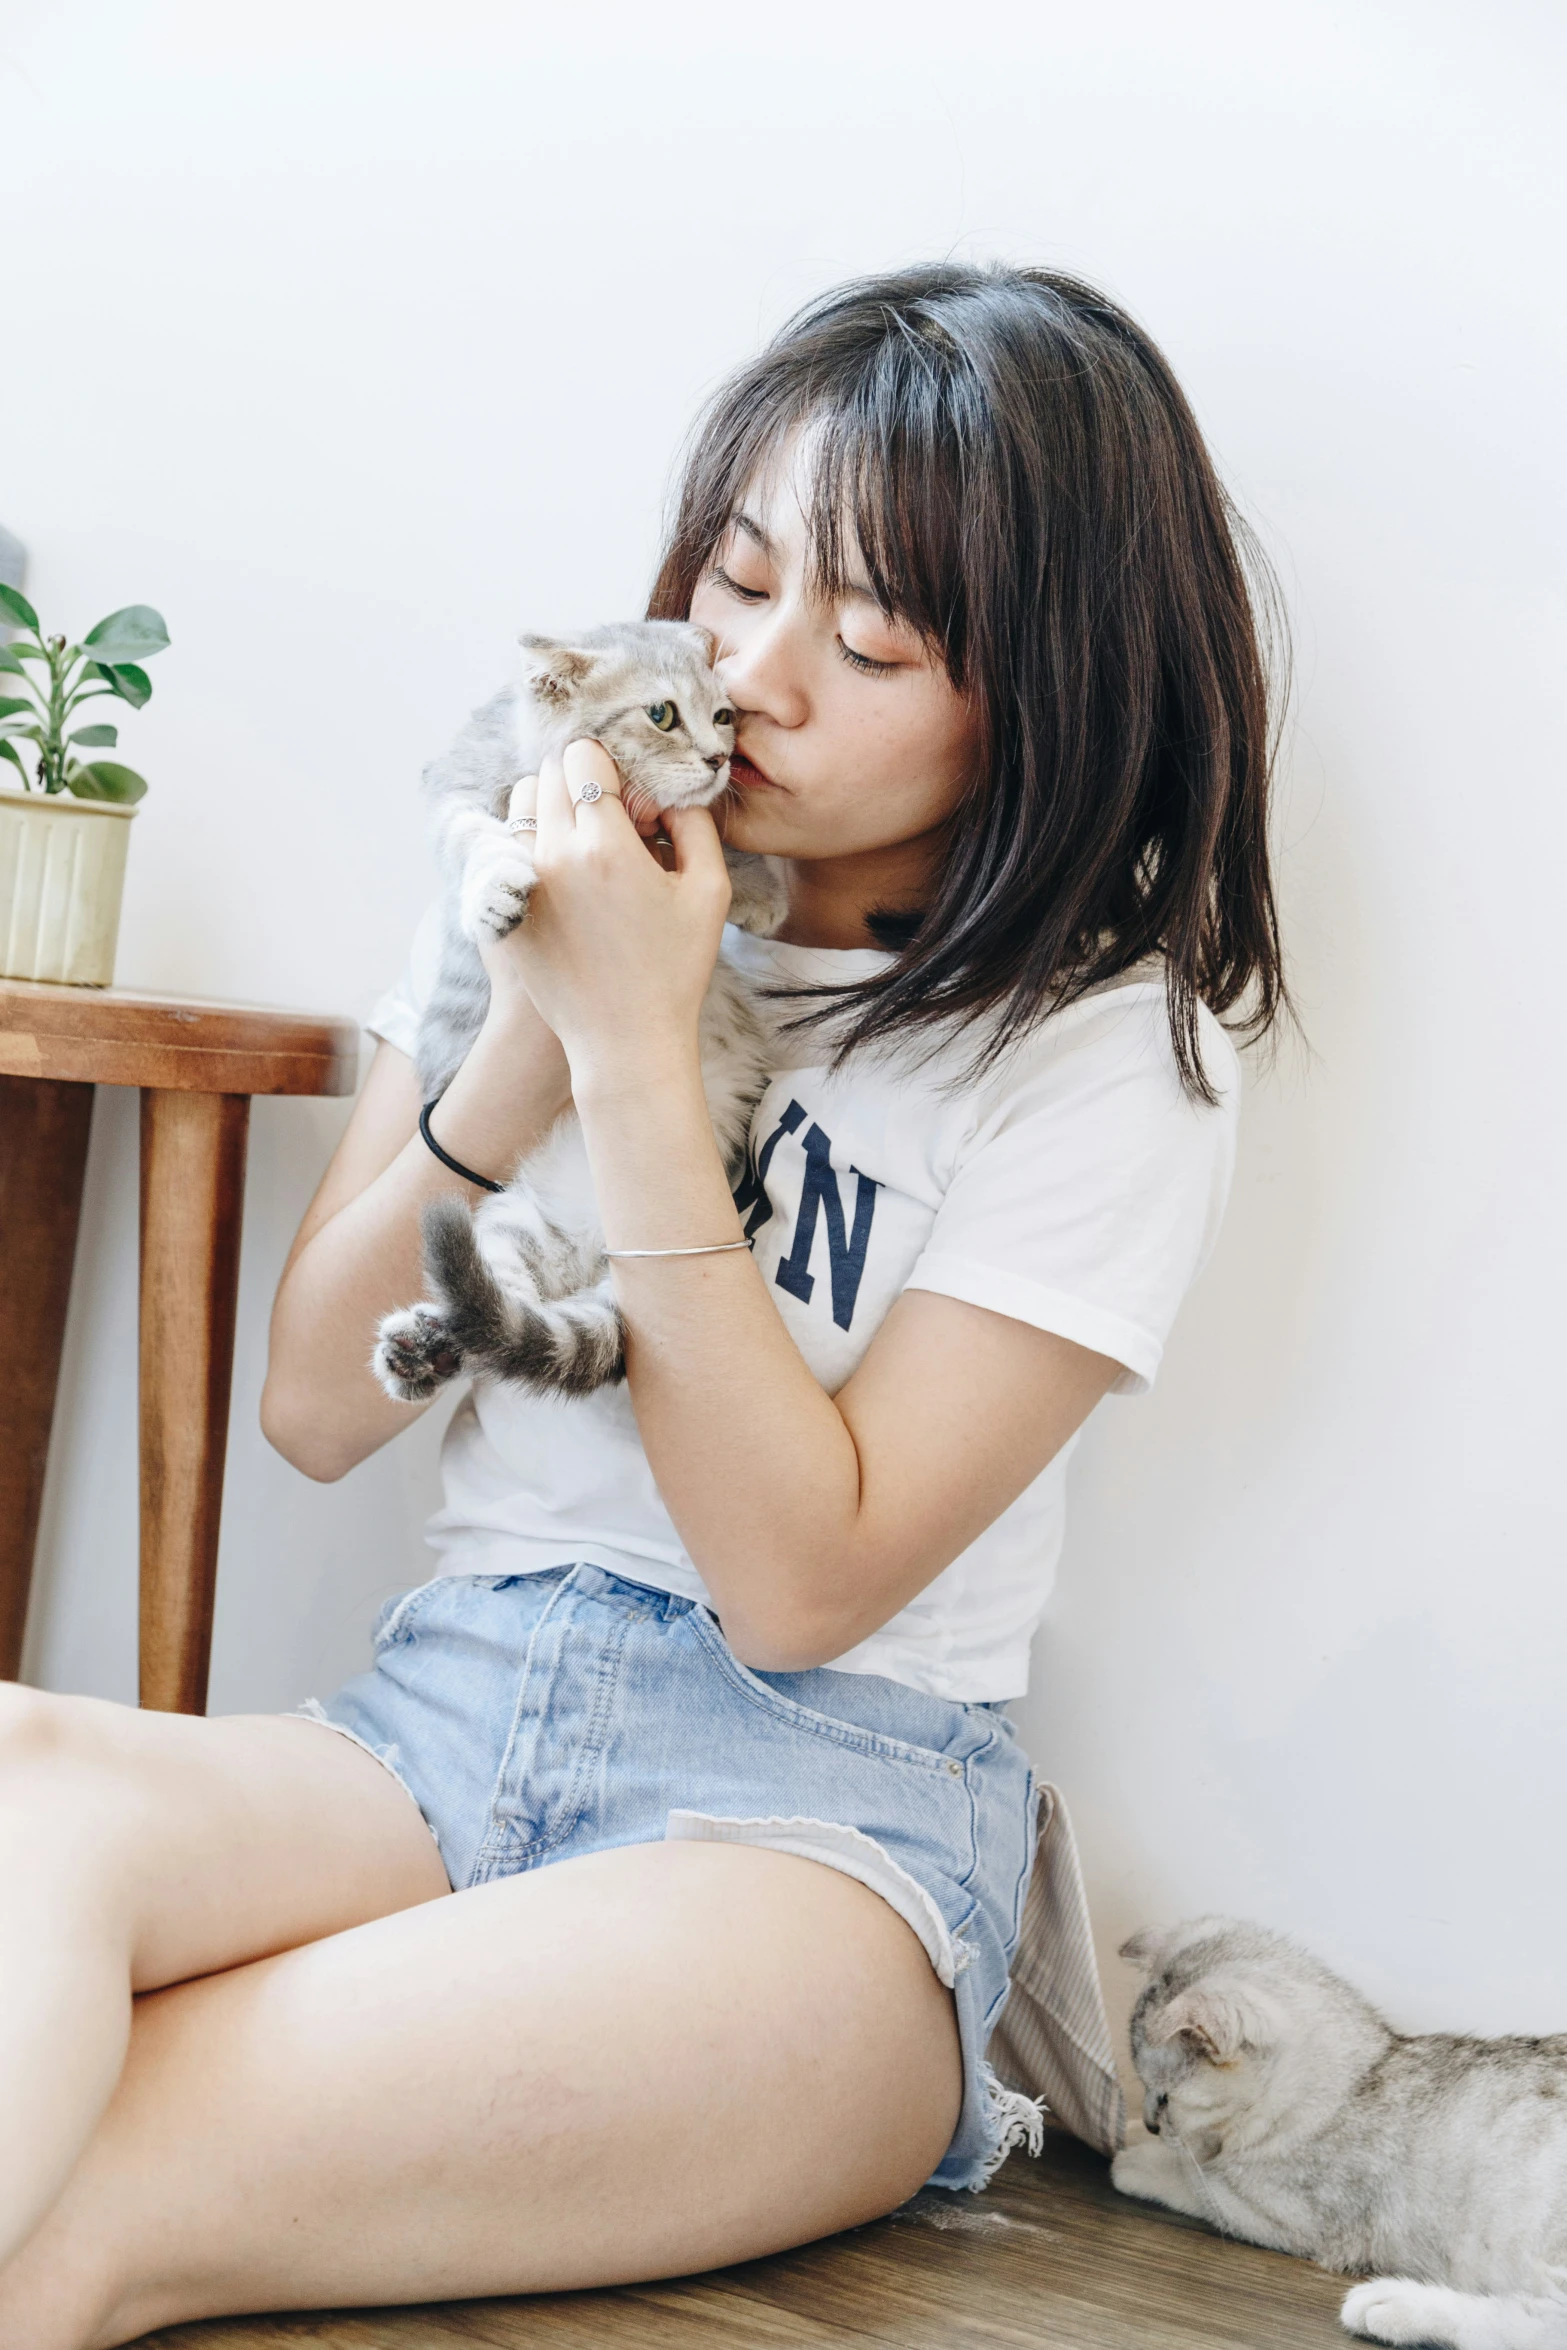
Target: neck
{"type": "Point", "coordinates": [829, 897]}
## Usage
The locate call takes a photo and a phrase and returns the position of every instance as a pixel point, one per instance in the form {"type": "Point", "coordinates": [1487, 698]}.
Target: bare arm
{"type": "Point", "coordinates": [357, 1254]}
{"type": "Point", "coordinates": [812, 1518]}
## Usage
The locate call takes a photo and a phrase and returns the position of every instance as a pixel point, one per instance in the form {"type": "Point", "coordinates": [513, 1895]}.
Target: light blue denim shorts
{"type": "Point", "coordinates": [536, 1717]}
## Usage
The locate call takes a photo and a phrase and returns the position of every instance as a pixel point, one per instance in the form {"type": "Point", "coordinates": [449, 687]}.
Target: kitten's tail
{"type": "Point", "coordinates": [556, 1346]}
{"type": "Point", "coordinates": [1396, 2309]}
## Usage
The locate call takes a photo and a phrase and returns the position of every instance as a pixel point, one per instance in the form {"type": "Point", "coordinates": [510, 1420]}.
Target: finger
{"type": "Point", "coordinates": [522, 809]}
{"type": "Point", "coordinates": [593, 779]}
{"type": "Point", "coordinates": [556, 816]}
{"type": "Point", "coordinates": [699, 848]}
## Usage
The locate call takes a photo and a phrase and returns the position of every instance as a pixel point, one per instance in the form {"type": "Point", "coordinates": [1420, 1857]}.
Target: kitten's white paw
{"type": "Point", "coordinates": [1394, 2309]}
{"type": "Point", "coordinates": [496, 885]}
{"type": "Point", "coordinates": [414, 1354]}
{"type": "Point", "coordinates": [1145, 2169]}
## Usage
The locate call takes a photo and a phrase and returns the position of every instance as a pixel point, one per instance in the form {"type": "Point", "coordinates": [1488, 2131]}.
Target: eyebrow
{"type": "Point", "coordinates": [855, 591]}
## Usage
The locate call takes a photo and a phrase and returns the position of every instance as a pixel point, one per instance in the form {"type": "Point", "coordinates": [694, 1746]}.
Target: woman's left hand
{"type": "Point", "coordinates": [617, 952]}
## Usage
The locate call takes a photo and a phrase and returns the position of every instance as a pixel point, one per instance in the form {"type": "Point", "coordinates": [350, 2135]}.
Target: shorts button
{"type": "Point", "coordinates": [956, 1768]}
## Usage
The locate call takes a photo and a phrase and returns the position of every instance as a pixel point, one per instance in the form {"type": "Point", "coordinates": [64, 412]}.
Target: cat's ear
{"type": "Point", "coordinates": [1145, 1950]}
{"type": "Point", "coordinates": [1219, 2018]}
{"type": "Point", "coordinates": [553, 670]}
{"type": "Point", "coordinates": [705, 641]}
{"type": "Point", "coordinates": [1154, 1946]}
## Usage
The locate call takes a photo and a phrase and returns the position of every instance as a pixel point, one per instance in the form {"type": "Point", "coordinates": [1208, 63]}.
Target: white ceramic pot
{"type": "Point", "coordinates": [62, 872]}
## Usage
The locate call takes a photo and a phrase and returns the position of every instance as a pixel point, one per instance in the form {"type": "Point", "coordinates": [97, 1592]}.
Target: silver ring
{"type": "Point", "coordinates": [523, 824]}
{"type": "Point", "coordinates": [590, 792]}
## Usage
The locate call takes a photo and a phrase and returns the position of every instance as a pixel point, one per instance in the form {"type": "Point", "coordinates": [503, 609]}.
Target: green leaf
{"type": "Point", "coordinates": [102, 779]}
{"type": "Point", "coordinates": [8, 660]}
{"type": "Point", "coordinates": [133, 685]}
{"type": "Point", "coordinates": [16, 606]}
{"type": "Point", "coordinates": [98, 738]}
{"type": "Point", "coordinates": [133, 634]}
{"type": "Point", "coordinates": [8, 751]}
{"type": "Point", "coordinates": [11, 703]}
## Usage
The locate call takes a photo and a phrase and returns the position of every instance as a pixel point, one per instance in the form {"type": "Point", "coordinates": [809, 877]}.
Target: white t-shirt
{"type": "Point", "coordinates": [1076, 1187]}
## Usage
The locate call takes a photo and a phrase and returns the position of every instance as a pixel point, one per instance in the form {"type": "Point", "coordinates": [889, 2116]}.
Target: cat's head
{"type": "Point", "coordinates": [1239, 2034]}
{"type": "Point", "coordinates": [645, 689]}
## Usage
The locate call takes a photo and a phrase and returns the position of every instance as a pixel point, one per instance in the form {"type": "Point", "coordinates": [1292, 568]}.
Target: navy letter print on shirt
{"type": "Point", "coordinates": [819, 1196]}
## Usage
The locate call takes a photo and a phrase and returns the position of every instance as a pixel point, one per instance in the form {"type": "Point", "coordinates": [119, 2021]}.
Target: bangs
{"type": "Point", "coordinates": [886, 443]}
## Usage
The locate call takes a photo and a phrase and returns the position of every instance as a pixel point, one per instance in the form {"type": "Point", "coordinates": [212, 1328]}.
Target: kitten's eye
{"type": "Point", "coordinates": [724, 717]}
{"type": "Point", "coordinates": [664, 716]}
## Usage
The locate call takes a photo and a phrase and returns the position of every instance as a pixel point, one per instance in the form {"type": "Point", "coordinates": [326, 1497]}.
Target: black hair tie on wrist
{"type": "Point", "coordinates": [446, 1158]}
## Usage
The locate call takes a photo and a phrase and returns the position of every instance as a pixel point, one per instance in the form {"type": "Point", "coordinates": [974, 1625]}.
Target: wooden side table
{"type": "Point", "coordinates": [197, 1065]}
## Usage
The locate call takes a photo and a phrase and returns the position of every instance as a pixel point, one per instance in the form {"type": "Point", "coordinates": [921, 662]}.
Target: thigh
{"type": "Point", "coordinates": [633, 2065]}
{"type": "Point", "coordinates": [204, 1842]}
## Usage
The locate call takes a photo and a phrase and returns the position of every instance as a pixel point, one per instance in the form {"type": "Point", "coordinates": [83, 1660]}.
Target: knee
{"type": "Point", "coordinates": [39, 1730]}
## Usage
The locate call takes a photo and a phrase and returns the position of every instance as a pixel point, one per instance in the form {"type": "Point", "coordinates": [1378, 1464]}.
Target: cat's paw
{"type": "Point", "coordinates": [497, 883]}
{"type": "Point", "coordinates": [414, 1354]}
{"type": "Point", "coordinates": [1146, 2169]}
{"type": "Point", "coordinates": [1394, 2309]}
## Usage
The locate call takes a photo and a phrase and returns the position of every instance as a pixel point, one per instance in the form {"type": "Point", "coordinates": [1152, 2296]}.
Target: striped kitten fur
{"type": "Point", "coordinates": [519, 1287]}
{"type": "Point", "coordinates": [1285, 2110]}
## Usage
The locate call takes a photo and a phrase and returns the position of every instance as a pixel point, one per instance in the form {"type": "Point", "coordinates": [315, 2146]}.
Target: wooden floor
{"type": "Point", "coordinates": [1051, 2258]}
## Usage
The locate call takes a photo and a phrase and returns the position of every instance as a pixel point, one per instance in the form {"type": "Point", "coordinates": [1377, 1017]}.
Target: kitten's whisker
{"type": "Point", "coordinates": [1196, 2169]}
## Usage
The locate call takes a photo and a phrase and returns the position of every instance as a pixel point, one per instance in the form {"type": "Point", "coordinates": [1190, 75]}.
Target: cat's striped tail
{"type": "Point", "coordinates": [511, 1329]}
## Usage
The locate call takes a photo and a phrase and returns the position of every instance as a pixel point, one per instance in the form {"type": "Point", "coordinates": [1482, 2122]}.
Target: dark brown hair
{"type": "Point", "coordinates": [1011, 460]}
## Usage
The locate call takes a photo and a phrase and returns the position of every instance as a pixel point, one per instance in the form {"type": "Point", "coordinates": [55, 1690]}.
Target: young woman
{"type": "Point", "coordinates": [701, 1718]}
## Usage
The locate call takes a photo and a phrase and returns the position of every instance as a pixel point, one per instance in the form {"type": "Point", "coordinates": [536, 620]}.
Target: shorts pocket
{"type": "Point", "coordinates": [394, 1625]}
{"type": "Point", "coordinates": [789, 1713]}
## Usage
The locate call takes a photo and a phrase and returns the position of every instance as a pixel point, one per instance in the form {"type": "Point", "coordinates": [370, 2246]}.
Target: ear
{"type": "Point", "coordinates": [1220, 2018]}
{"type": "Point", "coordinates": [706, 642]}
{"type": "Point", "coordinates": [553, 669]}
{"type": "Point", "coordinates": [1145, 1949]}
{"type": "Point", "coordinates": [1153, 1947]}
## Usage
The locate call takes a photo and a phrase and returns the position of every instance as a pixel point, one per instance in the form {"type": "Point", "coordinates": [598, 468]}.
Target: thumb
{"type": "Point", "coordinates": [699, 849]}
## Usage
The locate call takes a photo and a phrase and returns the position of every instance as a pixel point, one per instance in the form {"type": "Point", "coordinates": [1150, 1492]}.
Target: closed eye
{"type": "Point", "coordinates": [732, 587]}
{"type": "Point", "coordinates": [863, 662]}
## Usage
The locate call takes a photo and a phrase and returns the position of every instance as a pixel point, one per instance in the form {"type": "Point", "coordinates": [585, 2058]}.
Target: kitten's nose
{"type": "Point", "coordinates": [715, 759]}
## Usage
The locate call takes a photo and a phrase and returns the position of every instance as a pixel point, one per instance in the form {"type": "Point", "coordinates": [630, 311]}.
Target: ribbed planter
{"type": "Point", "coordinates": [62, 873]}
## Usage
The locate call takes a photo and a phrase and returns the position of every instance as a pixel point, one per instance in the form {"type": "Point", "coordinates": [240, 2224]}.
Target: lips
{"type": "Point", "coordinates": [745, 774]}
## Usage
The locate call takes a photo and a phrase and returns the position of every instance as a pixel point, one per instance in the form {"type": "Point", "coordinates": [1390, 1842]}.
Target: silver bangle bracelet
{"type": "Point", "coordinates": [716, 1248]}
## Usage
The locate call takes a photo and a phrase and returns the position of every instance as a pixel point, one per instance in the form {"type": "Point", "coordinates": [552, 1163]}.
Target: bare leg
{"type": "Point", "coordinates": [629, 2066]}
{"type": "Point", "coordinates": [137, 1849]}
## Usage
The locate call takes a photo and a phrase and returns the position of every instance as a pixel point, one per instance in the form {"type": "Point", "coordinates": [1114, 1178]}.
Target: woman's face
{"type": "Point", "coordinates": [852, 739]}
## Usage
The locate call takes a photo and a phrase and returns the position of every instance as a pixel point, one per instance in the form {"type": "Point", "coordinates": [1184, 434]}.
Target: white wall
{"type": "Point", "coordinates": [354, 337]}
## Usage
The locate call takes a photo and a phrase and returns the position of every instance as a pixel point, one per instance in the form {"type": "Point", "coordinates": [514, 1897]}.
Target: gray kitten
{"type": "Point", "coordinates": [519, 1287]}
{"type": "Point", "coordinates": [1288, 2112]}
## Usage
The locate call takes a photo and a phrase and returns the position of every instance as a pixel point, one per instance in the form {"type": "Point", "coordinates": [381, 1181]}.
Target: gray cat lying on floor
{"type": "Point", "coordinates": [1289, 2113]}
{"type": "Point", "coordinates": [519, 1287]}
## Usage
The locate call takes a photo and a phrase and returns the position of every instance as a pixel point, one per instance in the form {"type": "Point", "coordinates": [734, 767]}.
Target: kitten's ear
{"type": "Point", "coordinates": [1145, 1949]}
{"type": "Point", "coordinates": [1219, 2018]}
{"type": "Point", "coordinates": [553, 670]}
{"type": "Point", "coordinates": [706, 641]}
{"type": "Point", "coordinates": [1154, 1946]}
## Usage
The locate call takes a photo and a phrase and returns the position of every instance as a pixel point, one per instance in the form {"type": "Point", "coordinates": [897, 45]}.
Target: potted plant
{"type": "Point", "coordinates": [63, 834]}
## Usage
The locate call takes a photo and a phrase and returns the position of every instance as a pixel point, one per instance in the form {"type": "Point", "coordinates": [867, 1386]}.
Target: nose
{"type": "Point", "coordinates": [715, 759]}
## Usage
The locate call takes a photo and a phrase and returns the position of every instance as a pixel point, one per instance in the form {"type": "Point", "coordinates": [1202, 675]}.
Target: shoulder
{"type": "Point", "coordinates": [1113, 1051]}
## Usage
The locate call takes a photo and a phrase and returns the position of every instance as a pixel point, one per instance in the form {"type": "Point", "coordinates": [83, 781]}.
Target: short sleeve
{"type": "Point", "coordinates": [1092, 1189]}
{"type": "Point", "coordinates": [397, 1015]}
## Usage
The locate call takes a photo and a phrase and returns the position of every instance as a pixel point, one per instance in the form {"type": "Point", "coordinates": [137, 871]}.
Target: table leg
{"type": "Point", "coordinates": [192, 1199]}
{"type": "Point", "coordinates": [43, 1155]}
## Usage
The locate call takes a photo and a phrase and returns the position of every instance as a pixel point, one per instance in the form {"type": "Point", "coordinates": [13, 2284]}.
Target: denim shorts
{"type": "Point", "coordinates": [535, 1717]}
